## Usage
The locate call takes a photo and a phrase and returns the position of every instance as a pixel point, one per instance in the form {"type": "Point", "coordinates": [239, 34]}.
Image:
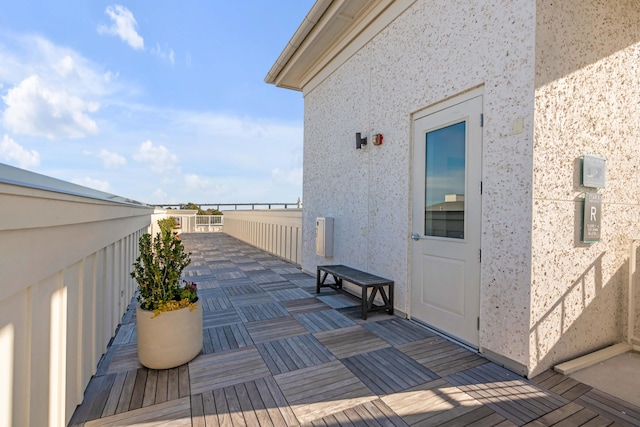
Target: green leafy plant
{"type": "Point", "coordinates": [158, 272]}
{"type": "Point", "coordinates": [168, 224]}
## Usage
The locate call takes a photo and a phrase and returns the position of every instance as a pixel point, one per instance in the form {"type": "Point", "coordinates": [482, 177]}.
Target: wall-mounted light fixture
{"type": "Point", "coordinates": [360, 141]}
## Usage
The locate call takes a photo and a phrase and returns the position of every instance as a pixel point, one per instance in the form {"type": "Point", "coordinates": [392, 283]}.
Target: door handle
{"type": "Point", "coordinates": [415, 236]}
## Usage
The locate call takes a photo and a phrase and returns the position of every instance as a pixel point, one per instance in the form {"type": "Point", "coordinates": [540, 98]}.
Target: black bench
{"type": "Point", "coordinates": [359, 278]}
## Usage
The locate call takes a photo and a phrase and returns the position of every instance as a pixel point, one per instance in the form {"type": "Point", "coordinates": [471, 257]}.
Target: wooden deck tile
{"type": "Point", "coordinates": [506, 393]}
{"type": "Point", "coordinates": [441, 356]}
{"type": "Point", "coordinates": [125, 358]}
{"type": "Point", "coordinates": [219, 370]}
{"type": "Point", "coordinates": [271, 364]}
{"type": "Point", "coordinates": [319, 321]}
{"type": "Point", "coordinates": [371, 413]}
{"type": "Point", "coordinates": [355, 313]}
{"type": "Point", "coordinates": [397, 331]}
{"type": "Point", "coordinates": [254, 403]}
{"type": "Point", "coordinates": [339, 300]}
{"type": "Point", "coordinates": [306, 305]}
{"type": "Point", "coordinates": [238, 290]}
{"type": "Point", "coordinates": [610, 407]}
{"type": "Point", "coordinates": [289, 294]}
{"type": "Point", "coordinates": [266, 277]}
{"type": "Point", "coordinates": [251, 299]}
{"type": "Point", "coordinates": [226, 337]}
{"type": "Point", "coordinates": [293, 353]}
{"type": "Point", "coordinates": [232, 274]}
{"type": "Point", "coordinates": [388, 370]}
{"type": "Point", "coordinates": [481, 416]}
{"type": "Point", "coordinates": [174, 413]}
{"type": "Point", "coordinates": [211, 319]}
{"type": "Point", "coordinates": [254, 313]}
{"type": "Point", "coordinates": [346, 342]}
{"type": "Point", "coordinates": [125, 332]}
{"type": "Point", "coordinates": [321, 390]}
{"type": "Point", "coordinates": [275, 329]}
{"type": "Point", "coordinates": [277, 286]}
{"type": "Point", "coordinates": [215, 300]}
{"type": "Point", "coordinates": [431, 403]}
{"type": "Point", "coordinates": [242, 281]}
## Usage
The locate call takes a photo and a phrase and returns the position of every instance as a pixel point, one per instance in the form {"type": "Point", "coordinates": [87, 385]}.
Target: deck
{"type": "Point", "coordinates": [275, 354]}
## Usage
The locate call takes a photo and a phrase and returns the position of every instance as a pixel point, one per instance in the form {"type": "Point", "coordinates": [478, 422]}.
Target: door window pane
{"type": "Point", "coordinates": [445, 182]}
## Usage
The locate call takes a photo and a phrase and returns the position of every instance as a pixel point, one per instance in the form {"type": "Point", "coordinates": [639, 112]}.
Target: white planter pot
{"type": "Point", "coordinates": [170, 339]}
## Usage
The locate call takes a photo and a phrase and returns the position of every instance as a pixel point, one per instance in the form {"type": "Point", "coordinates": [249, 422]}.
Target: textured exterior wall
{"type": "Point", "coordinates": [433, 51]}
{"type": "Point", "coordinates": [586, 102]}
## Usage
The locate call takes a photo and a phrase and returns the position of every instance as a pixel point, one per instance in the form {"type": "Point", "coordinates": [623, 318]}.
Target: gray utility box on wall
{"type": "Point", "coordinates": [324, 237]}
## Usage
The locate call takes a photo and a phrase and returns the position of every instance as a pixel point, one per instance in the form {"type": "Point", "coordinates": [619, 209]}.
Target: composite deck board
{"type": "Point", "coordinates": [478, 416]}
{"type": "Point", "coordinates": [306, 305]}
{"type": "Point", "coordinates": [298, 361]}
{"type": "Point", "coordinates": [254, 313]}
{"type": "Point", "coordinates": [228, 368]}
{"type": "Point", "coordinates": [388, 370]}
{"type": "Point", "coordinates": [289, 294]}
{"type": "Point", "coordinates": [293, 353]}
{"type": "Point", "coordinates": [506, 394]}
{"type": "Point", "coordinates": [277, 286]}
{"type": "Point", "coordinates": [226, 337]}
{"type": "Point", "coordinates": [274, 329]}
{"type": "Point", "coordinates": [176, 412]}
{"type": "Point", "coordinates": [339, 301]}
{"type": "Point", "coordinates": [397, 331]}
{"type": "Point", "coordinates": [319, 321]}
{"type": "Point", "coordinates": [621, 413]}
{"type": "Point", "coordinates": [211, 319]}
{"type": "Point", "coordinates": [346, 342]}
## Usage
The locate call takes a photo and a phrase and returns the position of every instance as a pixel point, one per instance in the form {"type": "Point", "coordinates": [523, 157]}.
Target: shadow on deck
{"type": "Point", "coordinates": [276, 354]}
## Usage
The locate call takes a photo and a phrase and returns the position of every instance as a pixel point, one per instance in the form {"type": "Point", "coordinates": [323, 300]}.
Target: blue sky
{"type": "Point", "coordinates": [159, 101]}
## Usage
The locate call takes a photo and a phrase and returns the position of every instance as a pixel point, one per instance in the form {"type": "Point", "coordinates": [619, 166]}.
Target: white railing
{"type": "Point", "coordinates": [277, 231]}
{"type": "Point", "coordinates": [189, 222]}
{"type": "Point", "coordinates": [64, 286]}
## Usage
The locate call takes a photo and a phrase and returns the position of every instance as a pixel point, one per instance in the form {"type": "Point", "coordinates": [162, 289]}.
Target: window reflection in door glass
{"type": "Point", "coordinates": [445, 182]}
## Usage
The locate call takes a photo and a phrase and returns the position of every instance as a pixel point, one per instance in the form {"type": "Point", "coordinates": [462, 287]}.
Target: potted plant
{"type": "Point", "coordinates": [169, 313]}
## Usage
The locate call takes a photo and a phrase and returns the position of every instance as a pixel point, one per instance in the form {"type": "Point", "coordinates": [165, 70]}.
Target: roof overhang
{"type": "Point", "coordinates": [325, 34]}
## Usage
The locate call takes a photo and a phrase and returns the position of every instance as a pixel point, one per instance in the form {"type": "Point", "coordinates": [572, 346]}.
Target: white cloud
{"type": "Point", "coordinates": [159, 157]}
{"type": "Point", "coordinates": [124, 26]}
{"type": "Point", "coordinates": [111, 160]}
{"type": "Point", "coordinates": [65, 66]}
{"type": "Point", "coordinates": [96, 184]}
{"type": "Point", "coordinates": [166, 55]}
{"type": "Point", "coordinates": [159, 195]}
{"type": "Point", "coordinates": [281, 176]}
{"type": "Point", "coordinates": [203, 185]}
{"type": "Point", "coordinates": [12, 151]}
{"type": "Point", "coordinates": [38, 109]}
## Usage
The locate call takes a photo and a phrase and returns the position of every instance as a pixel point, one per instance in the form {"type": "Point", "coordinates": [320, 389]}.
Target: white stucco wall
{"type": "Point", "coordinates": [586, 102]}
{"type": "Point", "coordinates": [432, 51]}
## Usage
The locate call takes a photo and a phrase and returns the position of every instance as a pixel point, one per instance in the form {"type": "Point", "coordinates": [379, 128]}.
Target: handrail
{"type": "Point", "coordinates": [294, 205]}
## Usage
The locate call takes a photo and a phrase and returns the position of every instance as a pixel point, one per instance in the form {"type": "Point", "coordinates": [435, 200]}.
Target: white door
{"type": "Point", "coordinates": [446, 224]}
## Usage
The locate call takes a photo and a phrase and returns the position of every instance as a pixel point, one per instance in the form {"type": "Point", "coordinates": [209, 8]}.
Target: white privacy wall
{"type": "Point", "coordinates": [432, 51]}
{"type": "Point", "coordinates": [587, 99]}
{"type": "Point", "coordinates": [64, 286]}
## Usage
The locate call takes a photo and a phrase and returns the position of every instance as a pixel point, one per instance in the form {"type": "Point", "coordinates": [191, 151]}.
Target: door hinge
{"type": "Point", "coordinates": [478, 322]}
{"type": "Point", "coordinates": [481, 120]}
{"type": "Point", "coordinates": [480, 187]}
{"type": "Point", "coordinates": [479, 255]}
